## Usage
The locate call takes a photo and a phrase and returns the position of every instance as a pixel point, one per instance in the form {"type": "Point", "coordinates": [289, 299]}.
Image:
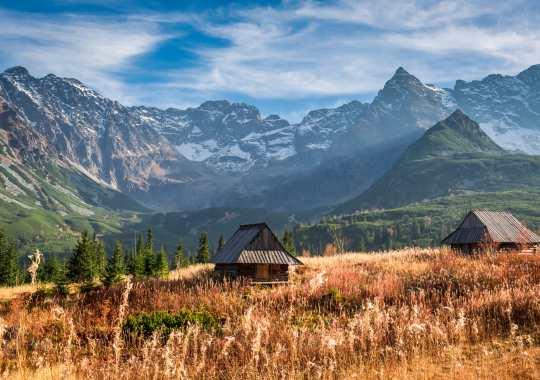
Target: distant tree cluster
{"type": "Point", "coordinates": [89, 262]}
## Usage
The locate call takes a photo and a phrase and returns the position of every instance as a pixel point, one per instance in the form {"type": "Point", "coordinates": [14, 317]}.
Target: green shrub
{"type": "Point", "coordinates": [145, 324]}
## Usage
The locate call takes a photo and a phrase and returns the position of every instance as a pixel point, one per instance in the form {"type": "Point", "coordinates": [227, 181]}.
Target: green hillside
{"type": "Point", "coordinates": [423, 224]}
{"type": "Point", "coordinates": [454, 157]}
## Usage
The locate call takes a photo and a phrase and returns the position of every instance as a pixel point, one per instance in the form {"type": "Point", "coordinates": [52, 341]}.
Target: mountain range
{"type": "Point", "coordinates": [72, 157]}
{"type": "Point", "coordinates": [222, 154]}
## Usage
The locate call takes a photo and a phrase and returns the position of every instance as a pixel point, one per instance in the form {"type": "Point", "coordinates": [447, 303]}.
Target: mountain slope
{"type": "Point", "coordinates": [507, 107]}
{"type": "Point", "coordinates": [454, 157]}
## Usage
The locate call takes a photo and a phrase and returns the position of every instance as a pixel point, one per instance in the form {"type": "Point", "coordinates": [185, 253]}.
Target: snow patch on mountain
{"type": "Point", "coordinates": [198, 152]}
{"type": "Point", "coordinates": [512, 138]}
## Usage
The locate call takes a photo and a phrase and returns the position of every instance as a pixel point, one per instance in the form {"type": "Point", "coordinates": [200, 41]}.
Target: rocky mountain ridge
{"type": "Point", "coordinates": [234, 139]}
{"type": "Point", "coordinates": [506, 107]}
{"type": "Point", "coordinates": [223, 154]}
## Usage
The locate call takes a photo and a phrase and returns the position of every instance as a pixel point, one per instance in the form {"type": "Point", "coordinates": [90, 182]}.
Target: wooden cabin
{"type": "Point", "coordinates": [481, 226]}
{"type": "Point", "coordinates": [253, 252]}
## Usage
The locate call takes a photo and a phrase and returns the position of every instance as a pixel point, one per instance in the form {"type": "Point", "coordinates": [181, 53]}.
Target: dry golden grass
{"type": "Point", "coordinates": [8, 293]}
{"type": "Point", "coordinates": [412, 314]}
{"type": "Point", "coordinates": [190, 272]}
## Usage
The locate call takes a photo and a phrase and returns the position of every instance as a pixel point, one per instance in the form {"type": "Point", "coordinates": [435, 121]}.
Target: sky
{"type": "Point", "coordinates": [285, 57]}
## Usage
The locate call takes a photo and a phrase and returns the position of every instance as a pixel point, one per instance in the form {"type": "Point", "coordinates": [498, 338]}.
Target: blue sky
{"type": "Point", "coordinates": [286, 57]}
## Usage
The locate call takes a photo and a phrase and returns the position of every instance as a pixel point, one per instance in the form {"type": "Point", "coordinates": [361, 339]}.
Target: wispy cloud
{"type": "Point", "coordinates": [296, 50]}
{"type": "Point", "coordinates": [90, 49]}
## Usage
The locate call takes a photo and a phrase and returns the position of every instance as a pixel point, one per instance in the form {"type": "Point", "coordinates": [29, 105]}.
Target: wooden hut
{"type": "Point", "coordinates": [255, 253]}
{"type": "Point", "coordinates": [499, 227]}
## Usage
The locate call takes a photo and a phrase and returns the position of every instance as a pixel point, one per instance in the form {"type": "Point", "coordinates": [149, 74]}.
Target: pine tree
{"type": "Point", "coordinates": [79, 266]}
{"type": "Point", "coordinates": [2, 256]}
{"type": "Point", "coordinates": [221, 243]}
{"type": "Point", "coordinates": [149, 258]}
{"type": "Point", "coordinates": [51, 268]}
{"type": "Point", "coordinates": [179, 256]}
{"type": "Point", "coordinates": [99, 260]}
{"type": "Point", "coordinates": [61, 281]}
{"type": "Point", "coordinates": [361, 247]}
{"type": "Point", "coordinates": [129, 260]}
{"type": "Point", "coordinates": [115, 269]}
{"type": "Point", "coordinates": [162, 265]}
{"type": "Point", "coordinates": [203, 251]}
{"type": "Point", "coordinates": [192, 260]}
{"type": "Point", "coordinates": [288, 242]}
{"type": "Point", "coordinates": [416, 230]}
{"type": "Point", "coordinates": [140, 266]}
{"type": "Point", "coordinates": [10, 265]}
{"type": "Point", "coordinates": [140, 245]}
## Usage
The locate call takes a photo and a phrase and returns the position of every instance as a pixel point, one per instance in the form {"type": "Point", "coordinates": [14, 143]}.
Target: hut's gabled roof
{"type": "Point", "coordinates": [234, 251]}
{"type": "Point", "coordinates": [501, 226]}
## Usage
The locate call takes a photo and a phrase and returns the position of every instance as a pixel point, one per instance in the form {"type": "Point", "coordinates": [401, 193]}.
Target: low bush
{"type": "Point", "coordinates": [146, 324]}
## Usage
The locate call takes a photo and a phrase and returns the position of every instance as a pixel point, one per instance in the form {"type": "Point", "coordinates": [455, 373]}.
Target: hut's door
{"type": "Point", "coordinates": [262, 272]}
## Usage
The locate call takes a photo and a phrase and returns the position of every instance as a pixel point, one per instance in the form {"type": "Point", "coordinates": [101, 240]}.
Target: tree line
{"type": "Point", "coordinates": [89, 262]}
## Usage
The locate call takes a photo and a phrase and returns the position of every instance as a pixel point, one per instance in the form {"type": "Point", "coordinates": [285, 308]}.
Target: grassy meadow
{"type": "Point", "coordinates": [408, 314]}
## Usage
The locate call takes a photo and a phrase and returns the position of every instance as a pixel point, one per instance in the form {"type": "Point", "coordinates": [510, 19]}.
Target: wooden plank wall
{"type": "Point", "coordinates": [508, 247]}
{"type": "Point", "coordinates": [265, 241]}
{"type": "Point", "coordinates": [278, 272]}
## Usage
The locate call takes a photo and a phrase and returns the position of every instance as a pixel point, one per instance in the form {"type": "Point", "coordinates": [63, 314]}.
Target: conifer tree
{"type": "Point", "coordinates": [361, 247]}
{"type": "Point", "coordinates": [129, 260]}
{"type": "Point", "coordinates": [115, 267]}
{"type": "Point", "coordinates": [99, 260]}
{"type": "Point", "coordinates": [288, 242]}
{"type": "Point", "coordinates": [416, 230]}
{"type": "Point", "coordinates": [61, 281]}
{"type": "Point", "coordinates": [203, 251]}
{"type": "Point", "coordinates": [140, 245]}
{"type": "Point", "coordinates": [179, 256]}
{"type": "Point", "coordinates": [221, 243]}
{"type": "Point", "coordinates": [149, 258]}
{"type": "Point", "coordinates": [140, 265]}
{"type": "Point", "coordinates": [2, 256]}
{"type": "Point", "coordinates": [162, 265]}
{"type": "Point", "coordinates": [10, 266]}
{"type": "Point", "coordinates": [51, 268]}
{"type": "Point", "coordinates": [192, 260]}
{"type": "Point", "coordinates": [79, 266]}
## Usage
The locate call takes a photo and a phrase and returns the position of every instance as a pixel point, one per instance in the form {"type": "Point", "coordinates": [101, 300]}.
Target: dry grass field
{"type": "Point", "coordinates": [409, 314]}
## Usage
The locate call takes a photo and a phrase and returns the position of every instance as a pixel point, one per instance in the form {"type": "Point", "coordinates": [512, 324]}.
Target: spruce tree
{"type": "Point", "coordinates": [179, 256]}
{"type": "Point", "coordinates": [79, 266]}
{"type": "Point", "coordinates": [149, 258]}
{"type": "Point", "coordinates": [162, 265]}
{"type": "Point", "coordinates": [51, 268]}
{"type": "Point", "coordinates": [61, 281]}
{"type": "Point", "coordinates": [2, 256]}
{"type": "Point", "coordinates": [99, 260]}
{"type": "Point", "coordinates": [288, 242]}
{"type": "Point", "coordinates": [221, 243]}
{"type": "Point", "coordinates": [115, 269]}
{"type": "Point", "coordinates": [203, 251]}
{"type": "Point", "coordinates": [361, 247]}
{"type": "Point", "coordinates": [10, 265]}
{"type": "Point", "coordinates": [140, 245]}
{"type": "Point", "coordinates": [129, 261]}
{"type": "Point", "coordinates": [139, 270]}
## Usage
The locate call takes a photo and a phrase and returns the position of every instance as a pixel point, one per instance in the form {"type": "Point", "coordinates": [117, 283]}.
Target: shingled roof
{"type": "Point", "coordinates": [235, 252]}
{"type": "Point", "coordinates": [501, 226]}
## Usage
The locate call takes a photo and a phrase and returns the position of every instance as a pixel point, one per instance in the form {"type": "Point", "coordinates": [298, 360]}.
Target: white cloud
{"type": "Point", "coordinates": [82, 47]}
{"type": "Point", "coordinates": [297, 50]}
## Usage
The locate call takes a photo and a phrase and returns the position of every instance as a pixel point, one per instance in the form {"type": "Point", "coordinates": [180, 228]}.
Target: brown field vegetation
{"type": "Point", "coordinates": [410, 314]}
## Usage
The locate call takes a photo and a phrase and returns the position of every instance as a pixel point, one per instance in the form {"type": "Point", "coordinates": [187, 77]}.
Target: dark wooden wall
{"type": "Point", "coordinates": [277, 272]}
{"type": "Point", "coordinates": [265, 241]}
{"type": "Point", "coordinates": [469, 249]}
